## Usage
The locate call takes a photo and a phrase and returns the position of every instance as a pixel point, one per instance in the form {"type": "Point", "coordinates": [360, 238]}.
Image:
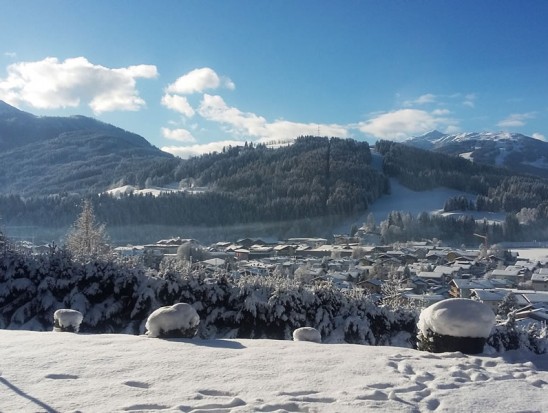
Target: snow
{"type": "Point", "coordinates": [457, 317]}
{"type": "Point", "coordinates": [402, 198]}
{"type": "Point", "coordinates": [155, 190]}
{"type": "Point", "coordinates": [67, 318]}
{"type": "Point", "coordinates": [307, 334]}
{"type": "Point", "coordinates": [180, 316]}
{"type": "Point", "coordinates": [124, 373]}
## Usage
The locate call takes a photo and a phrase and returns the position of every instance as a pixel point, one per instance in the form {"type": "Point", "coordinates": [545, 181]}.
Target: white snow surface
{"type": "Point", "coordinates": [68, 318]}
{"type": "Point", "coordinates": [307, 334]}
{"type": "Point", "coordinates": [180, 316]}
{"type": "Point", "coordinates": [457, 317]}
{"type": "Point", "coordinates": [124, 373]}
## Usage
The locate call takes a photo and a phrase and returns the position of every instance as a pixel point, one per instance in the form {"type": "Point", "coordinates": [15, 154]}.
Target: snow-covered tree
{"type": "Point", "coordinates": [391, 290]}
{"type": "Point", "coordinates": [87, 237]}
{"type": "Point", "coordinates": [507, 305]}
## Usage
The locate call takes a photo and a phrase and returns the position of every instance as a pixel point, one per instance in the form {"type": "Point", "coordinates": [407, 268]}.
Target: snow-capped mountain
{"type": "Point", "coordinates": [511, 150]}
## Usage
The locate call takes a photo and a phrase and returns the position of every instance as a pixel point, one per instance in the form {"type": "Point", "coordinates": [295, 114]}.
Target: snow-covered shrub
{"type": "Point", "coordinates": [307, 334]}
{"type": "Point", "coordinates": [116, 296]}
{"type": "Point", "coordinates": [455, 324]}
{"type": "Point", "coordinates": [65, 319]}
{"type": "Point", "coordinates": [510, 335]}
{"type": "Point", "coordinates": [179, 320]}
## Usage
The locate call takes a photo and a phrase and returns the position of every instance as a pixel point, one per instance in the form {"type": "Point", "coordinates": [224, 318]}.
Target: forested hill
{"type": "Point", "coordinates": [48, 155]}
{"type": "Point", "coordinates": [497, 189]}
{"type": "Point", "coordinates": [314, 177]}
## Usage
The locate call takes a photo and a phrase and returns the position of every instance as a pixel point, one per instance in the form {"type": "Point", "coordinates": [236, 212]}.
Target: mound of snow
{"type": "Point", "coordinates": [307, 334]}
{"type": "Point", "coordinates": [457, 317]}
{"type": "Point", "coordinates": [65, 319]}
{"type": "Point", "coordinates": [179, 320]}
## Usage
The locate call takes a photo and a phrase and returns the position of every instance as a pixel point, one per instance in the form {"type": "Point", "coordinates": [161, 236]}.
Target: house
{"type": "Point", "coordinates": [418, 285]}
{"type": "Point", "coordinates": [438, 276]}
{"type": "Point", "coordinates": [462, 288]}
{"type": "Point", "coordinates": [241, 254]}
{"type": "Point", "coordinates": [248, 242]}
{"type": "Point", "coordinates": [285, 250]}
{"type": "Point", "coordinates": [539, 280]}
{"type": "Point", "coordinates": [373, 285]}
{"type": "Point", "coordinates": [490, 297]}
{"type": "Point", "coordinates": [515, 275]}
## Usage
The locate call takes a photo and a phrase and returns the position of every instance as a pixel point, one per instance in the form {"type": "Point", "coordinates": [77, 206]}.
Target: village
{"type": "Point", "coordinates": [414, 274]}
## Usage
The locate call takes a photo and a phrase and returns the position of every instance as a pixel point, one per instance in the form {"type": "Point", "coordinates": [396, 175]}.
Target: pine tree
{"type": "Point", "coordinates": [87, 238]}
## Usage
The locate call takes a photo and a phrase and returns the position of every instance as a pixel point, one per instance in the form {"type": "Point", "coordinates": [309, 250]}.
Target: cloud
{"type": "Point", "coordinates": [52, 84]}
{"type": "Point", "coordinates": [404, 123]}
{"type": "Point", "coordinates": [441, 112]}
{"type": "Point", "coordinates": [199, 80]}
{"type": "Point", "coordinates": [215, 109]}
{"type": "Point", "coordinates": [178, 104]}
{"type": "Point", "coordinates": [516, 120]}
{"type": "Point", "coordinates": [11, 55]}
{"type": "Point", "coordinates": [421, 100]}
{"type": "Point", "coordinates": [470, 100]}
{"type": "Point", "coordinates": [539, 136]}
{"type": "Point", "coordinates": [181, 135]}
{"type": "Point", "coordinates": [199, 149]}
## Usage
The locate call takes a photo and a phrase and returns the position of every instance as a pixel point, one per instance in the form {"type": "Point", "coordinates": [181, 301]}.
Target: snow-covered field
{"type": "Point", "coordinates": [402, 198]}
{"type": "Point", "coordinates": [65, 372]}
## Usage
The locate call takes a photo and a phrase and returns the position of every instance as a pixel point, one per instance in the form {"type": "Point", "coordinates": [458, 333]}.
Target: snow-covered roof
{"type": "Point", "coordinates": [215, 262]}
{"type": "Point", "coordinates": [430, 274]}
{"type": "Point", "coordinates": [490, 294]}
{"type": "Point", "coordinates": [446, 270]}
{"type": "Point", "coordinates": [539, 277]}
{"type": "Point", "coordinates": [506, 273]}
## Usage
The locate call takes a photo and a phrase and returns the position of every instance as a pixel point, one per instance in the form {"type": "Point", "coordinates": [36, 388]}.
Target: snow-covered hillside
{"type": "Point", "coordinates": [512, 150]}
{"type": "Point", "coordinates": [65, 372]}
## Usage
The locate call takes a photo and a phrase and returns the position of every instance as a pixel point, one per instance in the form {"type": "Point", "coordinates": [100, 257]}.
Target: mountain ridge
{"type": "Point", "coordinates": [45, 155]}
{"type": "Point", "coordinates": [514, 151]}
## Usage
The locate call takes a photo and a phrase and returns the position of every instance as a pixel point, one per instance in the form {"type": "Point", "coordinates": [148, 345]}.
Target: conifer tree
{"type": "Point", "coordinates": [87, 238]}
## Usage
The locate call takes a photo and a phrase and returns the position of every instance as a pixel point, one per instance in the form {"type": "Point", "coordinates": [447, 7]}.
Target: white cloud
{"type": "Point", "coordinates": [516, 120]}
{"type": "Point", "coordinates": [451, 129]}
{"type": "Point", "coordinates": [178, 104]}
{"type": "Point", "coordinates": [539, 136]}
{"type": "Point", "coordinates": [11, 55]}
{"type": "Point", "coordinates": [179, 134]}
{"type": "Point", "coordinates": [421, 100]}
{"type": "Point", "coordinates": [198, 80]}
{"type": "Point", "coordinates": [51, 84]}
{"type": "Point", "coordinates": [404, 123]}
{"type": "Point", "coordinates": [470, 100]}
{"type": "Point", "coordinates": [214, 108]}
{"type": "Point", "coordinates": [199, 149]}
{"type": "Point", "coordinates": [441, 112]}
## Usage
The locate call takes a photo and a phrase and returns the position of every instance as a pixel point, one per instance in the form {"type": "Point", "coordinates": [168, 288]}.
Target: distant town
{"type": "Point", "coordinates": [416, 273]}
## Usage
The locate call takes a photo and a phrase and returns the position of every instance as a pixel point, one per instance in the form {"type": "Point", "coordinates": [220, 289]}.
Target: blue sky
{"type": "Point", "coordinates": [193, 76]}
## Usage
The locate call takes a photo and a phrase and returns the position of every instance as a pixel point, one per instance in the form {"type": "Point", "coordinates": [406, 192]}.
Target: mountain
{"type": "Point", "coordinates": [46, 155]}
{"type": "Point", "coordinates": [514, 151]}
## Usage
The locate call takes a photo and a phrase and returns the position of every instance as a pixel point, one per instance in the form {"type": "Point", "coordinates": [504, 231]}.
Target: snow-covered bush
{"type": "Point", "coordinates": [179, 320]}
{"type": "Point", "coordinates": [510, 335]}
{"type": "Point", "coordinates": [455, 324]}
{"type": "Point", "coordinates": [65, 319]}
{"type": "Point", "coordinates": [307, 334]}
{"type": "Point", "coordinates": [117, 296]}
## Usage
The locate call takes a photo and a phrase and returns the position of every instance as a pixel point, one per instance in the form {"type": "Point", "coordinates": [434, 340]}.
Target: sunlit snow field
{"type": "Point", "coordinates": [65, 372]}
